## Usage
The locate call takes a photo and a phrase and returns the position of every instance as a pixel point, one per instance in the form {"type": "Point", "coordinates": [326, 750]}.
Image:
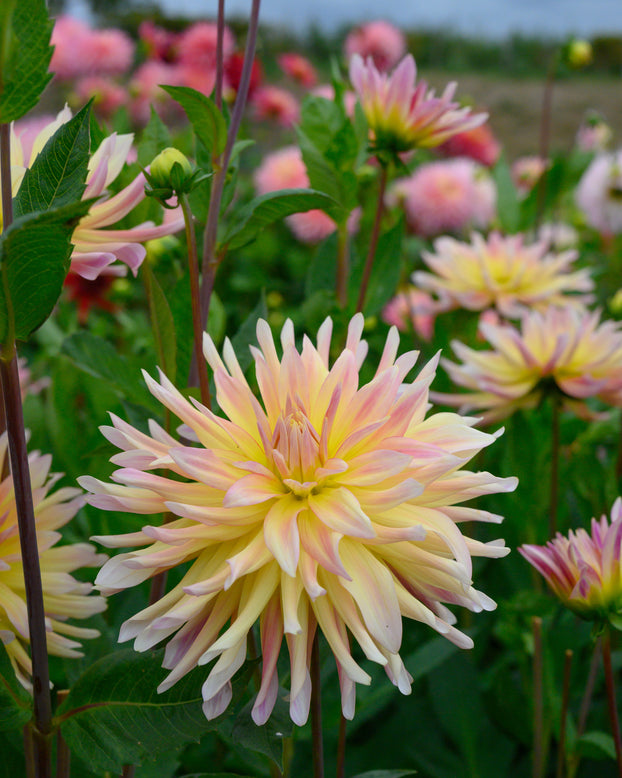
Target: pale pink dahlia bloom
{"type": "Point", "coordinates": [446, 196]}
{"type": "Point", "coordinates": [402, 116]}
{"type": "Point", "coordinates": [79, 50]}
{"type": "Point", "coordinates": [299, 68]}
{"type": "Point", "coordinates": [412, 309]}
{"type": "Point", "coordinates": [585, 570]}
{"type": "Point", "coordinates": [95, 247]}
{"type": "Point", "coordinates": [380, 40]}
{"type": "Point", "coordinates": [526, 172]}
{"type": "Point", "coordinates": [503, 272]}
{"type": "Point", "coordinates": [64, 597]}
{"type": "Point", "coordinates": [599, 193]}
{"type": "Point", "coordinates": [328, 504]}
{"type": "Point", "coordinates": [566, 350]}
{"type": "Point", "coordinates": [276, 104]}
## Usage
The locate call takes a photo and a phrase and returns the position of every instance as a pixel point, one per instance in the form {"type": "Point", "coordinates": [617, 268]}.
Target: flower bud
{"type": "Point", "coordinates": [170, 170]}
{"type": "Point", "coordinates": [579, 53]}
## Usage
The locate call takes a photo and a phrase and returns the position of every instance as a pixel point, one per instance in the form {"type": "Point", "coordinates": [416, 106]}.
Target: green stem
{"type": "Point", "coordinates": [538, 700]}
{"type": "Point", "coordinates": [545, 138]}
{"type": "Point", "coordinates": [220, 37]}
{"type": "Point", "coordinates": [554, 468]}
{"type": "Point", "coordinates": [373, 241]}
{"type": "Point", "coordinates": [193, 262]}
{"type": "Point", "coordinates": [343, 264]}
{"type": "Point", "coordinates": [561, 753]}
{"type": "Point", "coordinates": [611, 698]}
{"type": "Point", "coordinates": [18, 455]}
{"type": "Point", "coordinates": [316, 710]}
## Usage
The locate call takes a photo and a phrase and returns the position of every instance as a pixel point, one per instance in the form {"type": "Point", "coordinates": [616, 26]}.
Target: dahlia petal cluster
{"type": "Point", "coordinates": [402, 116]}
{"type": "Point", "coordinates": [64, 597]}
{"type": "Point", "coordinates": [380, 40]}
{"type": "Point", "coordinates": [568, 349]}
{"type": "Point", "coordinates": [327, 505]}
{"type": "Point", "coordinates": [96, 248]}
{"type": "Point", "coordinates": [599, 193]}
{"type": "Point", "coordinates": [79, 50]}
{"type": "Point", "coordinates": [585, 570]}
{"type": "Point", "coordinates": [478, 144]}
{"type": "Point", "coordinates": [503, 272]}
{"type": "Point", "coordinates": [446, 196]}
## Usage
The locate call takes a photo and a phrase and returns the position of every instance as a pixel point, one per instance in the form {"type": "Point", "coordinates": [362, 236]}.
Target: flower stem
{"type": "Point", "coordinates": [193, 262]}
{"type": "Point", "coordinates": [343, 264]}
{"type": "Point", "coordinates": [63, 755]}
{"type": "Point", "coordinates": [341, 748]}
{"type": "Point", "coordinates": [554, 468]}
{"type": "Point", "coordinates": [220, 37]}
{"type": "Point", "coordinates": [373, 241]}
{"type": "Point", "coordinates": [18, 454]}
{"type": "Point", "coordinates": [586, 702]}
{"type": "Point", "coordinates": [545, 137]}
{"type": "Point", "coordinates": [316, 710]}
{"type": "Point", "coordinates": [561, 753]}
{"type": "Point", "coordinates": [538, 700]}
{"type": "Point", "coordinates": [611, 698]}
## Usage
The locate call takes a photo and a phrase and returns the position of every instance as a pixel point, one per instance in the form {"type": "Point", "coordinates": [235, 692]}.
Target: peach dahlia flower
{"type": "Point", "coordinates": [328, 505]}
{"type": "Point", "coordinates": [585, 570]}
{"type": "Point", "coordinates": [64, 597]}
{"type": "Point", "coordinates": [503, 272]}
{"type": "Point", "coordinates": [566, 349]}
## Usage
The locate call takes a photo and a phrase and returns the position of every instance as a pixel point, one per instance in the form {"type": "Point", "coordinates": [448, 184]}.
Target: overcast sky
{"type": "Point", "coordinates": [484, 17]}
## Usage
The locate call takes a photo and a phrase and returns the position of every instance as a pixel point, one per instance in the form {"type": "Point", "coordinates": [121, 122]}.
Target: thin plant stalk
{"type": "Point", "coordinates": [554, 493]}
{"type": "Point", "coordinates": [129, 771]}
{"type": "Point", "coordinates": [29, 756]}
{"type": "Point", "coordinates": [611, 697]}
{"type": "Point", "coordinates": [586, 703]}
{"type": "Point", "coordinates": [343, 264]}
{"type": "Point", "coordinates": [193, 262]}
{"type": "Point", "coordinates": [373, 241]}
{"type": "Point", "coordinates": [18, 454]}
{"type": "Point", "coordinates": [316, 711]}
{"type": "Point", "coordinates": [561, 753]}
{"type": "Point", "coordinates": [538, 700]}
{"type": "Point", "coordinates": [220, 39]}
{"type": "Point", "coordinates": [63, 754]}
{"type": "Point", "coordinates": [341, 748]}
{"type": "Point", "coordinates": [546, 113]}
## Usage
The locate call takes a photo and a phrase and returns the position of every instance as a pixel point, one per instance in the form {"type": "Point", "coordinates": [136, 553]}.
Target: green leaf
{"type": "Point", "coordinates": [268, 208]}
{"type": "Point", "coordinates": [113, 715]}
{"type": "Point", "coordinates": [321, 120]}
{"type": "Point", "coordinates": [267, 739]}
{"type": "Point", "coordinates": [386, 774]}
{"type": "Point", "coordinates": [385, 274]}
{"type": "Point", "coordinates": [57, 176]}
{"type": "Point", "coordinates": [247, 333]}
{"type": "Point", "coordinates": [596, 745]}
{"type": "Point", "coordinates": [100, 359]}
{"type": "Point", "coordinates": [34, 259]}
{"type": "Point", "coordinates": [207, 121]}
{"type": "Point", "coordinates": [508, 206]}
{"type": "Point", "coordinates": [154, 139]}
{"type": "Point", "coordinates": [25, 54]}
{"type": "Point", "coordinates": [162, 323]}
{"type": "Point", "coordinates": [215, 775]}
{"type": "Point", "coordinates": [15, 702]}
{"type": "Point", "coordinates": [323, 268]}
{"type": "Point", "coordinates": [322, 174]}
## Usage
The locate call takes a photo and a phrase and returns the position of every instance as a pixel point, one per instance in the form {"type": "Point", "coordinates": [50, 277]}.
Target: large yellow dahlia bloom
{"type": "Point", "coordinates": [327, 505]}
{"type": "Point", "coordinates": [64, 597]}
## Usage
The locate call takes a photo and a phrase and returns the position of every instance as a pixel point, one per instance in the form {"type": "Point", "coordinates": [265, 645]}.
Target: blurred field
{"type": "Point", "coordinates": [515, 105]}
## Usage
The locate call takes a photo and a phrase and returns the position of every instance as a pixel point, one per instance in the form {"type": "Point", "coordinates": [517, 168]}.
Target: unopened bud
{"type": "Point", "coordinates": [170, 170]}
{"type": "Point", "coordinates": [579, 53]}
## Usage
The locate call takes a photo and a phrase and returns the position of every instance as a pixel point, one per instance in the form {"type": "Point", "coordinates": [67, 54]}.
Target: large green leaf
{"type": "Point", "coordinates": [162, 323]}
{"type": "Point", "coordinates": [268, 208]}
{"type": "Point", "coordinates": [267, 739]}
{"type": "Point", "coordinates": [34, 260]}
{"type": "Point", "coordinates": [15, 702]}
{"type": "Point", "coordinates": [58, 174]}
{"type": "Point", "coordinates": [25, 53]}
{"type": "Point", "coordinates": [99, 358]}
{"type": "Point", "coordinates": [508, 206]}
{"type": "Point", "coordinates": [207, 121]}
{"type": "Point", "coordinates": [246, 335]}
{"type": "Point", "coordinates": [113, 715]}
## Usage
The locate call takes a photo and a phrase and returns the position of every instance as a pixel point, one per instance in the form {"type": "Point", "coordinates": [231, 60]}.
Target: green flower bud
{"type": "Point", "coordinates": [170, 170]}
{"type": "Point", "coordinates": [579, 53]}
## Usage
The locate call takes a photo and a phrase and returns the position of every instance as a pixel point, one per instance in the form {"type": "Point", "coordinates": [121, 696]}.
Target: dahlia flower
{"type": "Point", "coordinates": [478, 144]}
{"type": "Point", "coordinates": [412, 309]}
{"type": "Point", "coordinates": [566, 349]}
{"type": "Point", "coordinates": [447, 196]}
{"type": "Point", "coordinates": [96, 248]}
{"type": "Point", "coordinates": [381, 41]}
{"type": "Point", "coordinates": [327, 505]}
{"type": "Point", "coordinates": [502, 272]}
{"type": "Point", "coordinates": [79, 50]}
{"type": "Point", "coordinates": [402, 116]}
{"type": "Point", "coordinates": [585, 570]}
{"type": "Point", "coordinates": [299, 68]}
{"type": "Point", "coordinates": [64, 597]}
{"type": "Point", "coordinates": [276, 104]}
{"type": "Point", "coordinates": [599, 193]}
{"type": "Point", "coordinates": [526, 172]}
{"type": "Point", "coordinates": [594, 134]}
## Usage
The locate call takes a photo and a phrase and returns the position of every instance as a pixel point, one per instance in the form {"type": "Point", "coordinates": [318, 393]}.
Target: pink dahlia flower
{"type": "Point", "coordinates": [380, 41]}
{"type": "Point", "coordinates": [196, 46]}
{"type": "Point", "coordinates": [144, 89]}
{"type": "Point", "coordinates": [412, 309]}
{"type": "Point", "coordinates": [526, 172]}
{"type": "Point", "coordinates": [446, 196]}
{"type": "Point", "coordinates": [276, 104]}
{"type": "Point", "coordinates": [478, 144]}
{"type": "Point", "coordinates": [107, 96]}
{"type": "Point", "coordinates": [80, 50]}
{"type": "Point", "coordinates": [594, 134]}
{"type": "Point", "coordinates": [95, 246]}
{"type": "Point", "coordinates": [326, 505]}
{"type": "Point", "coordinates": [567, 350]}
{"type": "Point", "coordinates": [402, 115]}
{"type": "Point", "coordinates": [64, 597]}
{"type": "Point", "coordinates": [299, 68]}
{"type": "Point", "coordinates": [585, 570]}
{"type": "Point", "coordinates": [502, 272]}
{"type": "Point", "coordinates": [599, 193]}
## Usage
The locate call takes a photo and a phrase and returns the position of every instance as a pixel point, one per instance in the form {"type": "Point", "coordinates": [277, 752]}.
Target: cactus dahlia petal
{"type": "Point", "coordinates": [329, 505]}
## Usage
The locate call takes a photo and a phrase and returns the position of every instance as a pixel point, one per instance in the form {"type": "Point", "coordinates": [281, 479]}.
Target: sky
{"type": "Point", "coordinates": [488, 18]}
